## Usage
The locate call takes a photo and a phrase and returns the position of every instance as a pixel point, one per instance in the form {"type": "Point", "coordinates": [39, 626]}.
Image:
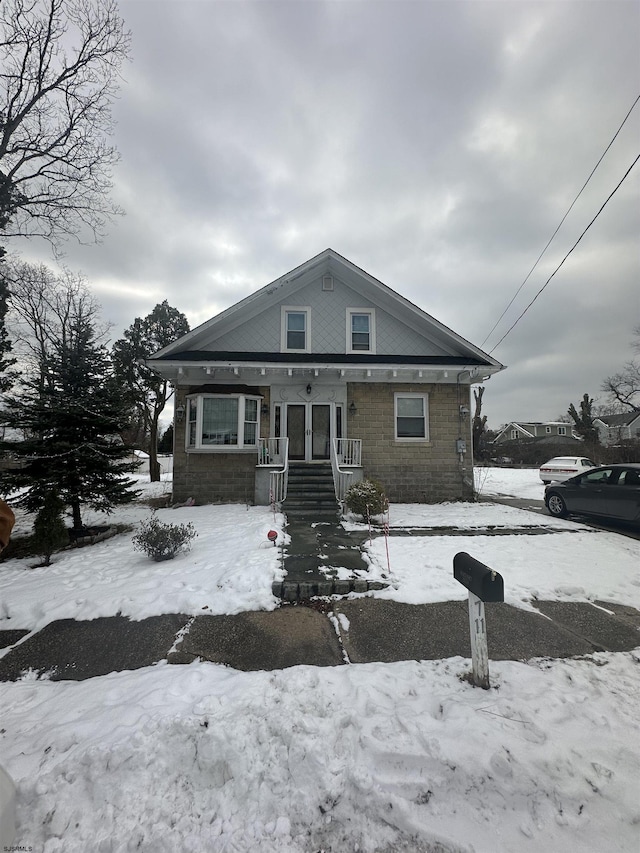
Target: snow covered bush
{"type": "Point", "coordinates": [163, 541]}
{"type": "Point", "coordinates": [366, 498]}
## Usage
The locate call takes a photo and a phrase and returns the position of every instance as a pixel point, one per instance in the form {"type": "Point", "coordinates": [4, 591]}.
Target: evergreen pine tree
{"type": "Point", "coordinates": [6, 375]}
{"type": "Point", "coordinates": [70, 424]}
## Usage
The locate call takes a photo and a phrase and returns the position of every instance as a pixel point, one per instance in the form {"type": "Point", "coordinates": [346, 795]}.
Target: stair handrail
{"type": "Point", "coordinates": [344, 451]}
{"type": "Point", "coordinates": [278, 480]}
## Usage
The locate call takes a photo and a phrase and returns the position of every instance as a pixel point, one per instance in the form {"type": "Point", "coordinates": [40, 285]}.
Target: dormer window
{"type": "Point", "coordinates": [360, 330]}
{"type": "Point", "coordinates": [295, 329]}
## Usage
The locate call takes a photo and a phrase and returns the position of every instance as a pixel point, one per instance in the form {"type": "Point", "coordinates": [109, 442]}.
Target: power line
{"type": "Point", "coordinates": [568, 253]}
{"type": "Point", "coordinates": [513, 298]}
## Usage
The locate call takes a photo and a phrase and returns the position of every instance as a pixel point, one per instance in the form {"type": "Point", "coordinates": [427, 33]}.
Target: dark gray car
{"type": "Point", "coordinates": [610, 491]}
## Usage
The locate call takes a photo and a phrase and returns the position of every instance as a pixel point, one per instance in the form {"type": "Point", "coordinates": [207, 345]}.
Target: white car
{"type": "Point", "coordinates": [560, 468]}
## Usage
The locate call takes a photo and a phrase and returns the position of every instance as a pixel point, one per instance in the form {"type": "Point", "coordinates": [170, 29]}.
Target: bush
{"type": "Point", "coordinates": [163, 541]}
{"type": "Point", "coordinates": [366, 498]}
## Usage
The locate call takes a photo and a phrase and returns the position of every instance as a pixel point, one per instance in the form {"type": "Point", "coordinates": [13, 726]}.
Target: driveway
{"type": "Point", "coordinates": [538, 506]}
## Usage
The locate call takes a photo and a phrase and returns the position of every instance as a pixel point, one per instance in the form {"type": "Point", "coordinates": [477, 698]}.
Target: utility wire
{"type": "Point", "coordinates": [568, 253]}
{"type": "Point", "coordinates": [513, 298]}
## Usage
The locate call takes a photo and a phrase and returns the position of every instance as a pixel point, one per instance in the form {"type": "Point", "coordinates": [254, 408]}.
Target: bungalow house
{"type": "Point", "coordinates": [325, 366]}
{"type": "Point", "coordinates": [613, 429]}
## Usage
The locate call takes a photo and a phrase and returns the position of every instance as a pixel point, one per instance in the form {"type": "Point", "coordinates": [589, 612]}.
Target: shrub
{"type": "Point", "coordinates": [163, 541]}
{"type": "Point", "coordinates": [366, 498]}
{"type": "Point", "coordinates": [49, 530]}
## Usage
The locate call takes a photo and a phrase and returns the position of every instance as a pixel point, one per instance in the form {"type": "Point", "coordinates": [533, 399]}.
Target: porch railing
{"type": "Point", "coordinates": [271, 452]}
{"type": "Point", "coordinates": [345, 453]}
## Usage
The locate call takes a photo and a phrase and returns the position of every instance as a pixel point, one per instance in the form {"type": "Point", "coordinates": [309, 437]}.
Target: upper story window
{"type": "Point", "coordinates": [222, 422]}
{"type": "Point", "coordinates": [562, 430]}
{"type": "Point", "coordinates": [514, 433]}
{"type": "Point", "coordinates": [412, 417]}
{"type": "Point", "coordinates": [296, 335]}
{"type": "Point", "coordinates": [361, 330]}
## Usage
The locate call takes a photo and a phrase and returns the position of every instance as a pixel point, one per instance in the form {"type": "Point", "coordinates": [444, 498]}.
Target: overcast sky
{"type": "Point", "coordinates": [437, 145]}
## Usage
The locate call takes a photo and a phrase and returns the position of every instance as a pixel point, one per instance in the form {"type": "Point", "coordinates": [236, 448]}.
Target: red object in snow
{"type": "Point", "coordinates": [272, 535]}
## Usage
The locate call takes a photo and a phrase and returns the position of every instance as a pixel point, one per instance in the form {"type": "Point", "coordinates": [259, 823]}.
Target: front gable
{"type": "Point", "coordinates": [326, 310]}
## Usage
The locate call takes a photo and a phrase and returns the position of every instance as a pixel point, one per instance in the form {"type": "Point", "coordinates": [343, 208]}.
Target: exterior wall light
{"type": "Point", "coordinates": [309, 388]}
{"type": "Point", "coordinates": [352, 408]}
{"type": "Point", "coordinates": [180, 413]}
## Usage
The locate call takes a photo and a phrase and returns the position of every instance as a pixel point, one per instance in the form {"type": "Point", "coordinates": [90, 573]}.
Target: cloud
{"type": "Point", "coordinates": [436, 145]}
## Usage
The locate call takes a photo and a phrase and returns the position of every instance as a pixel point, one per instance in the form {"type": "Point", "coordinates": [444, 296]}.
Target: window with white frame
{"type": "Point", "coordinates": [296, 334]}
{"type": "Point", "coordinates": [514, 433]}
{"type": "Point", "coordinates": [412, 417]}
{"type": "Point", "coordinates": [222, 422]}
{"type": "Point", "coordinates": [361, 335]}
{"type": "Point", "coordinates": [562, 430]}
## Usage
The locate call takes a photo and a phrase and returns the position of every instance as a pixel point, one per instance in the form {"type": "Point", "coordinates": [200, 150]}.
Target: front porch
{"type": "Point", "coordinates": [275, 464]}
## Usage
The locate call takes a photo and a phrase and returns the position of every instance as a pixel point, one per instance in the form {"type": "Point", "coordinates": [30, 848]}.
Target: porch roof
{"type": "Point", "coordinates": [188, 367]}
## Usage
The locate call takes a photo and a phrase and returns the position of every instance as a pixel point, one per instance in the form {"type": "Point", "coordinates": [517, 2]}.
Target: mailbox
{"type": "Point", "coordinates": [478, 578]}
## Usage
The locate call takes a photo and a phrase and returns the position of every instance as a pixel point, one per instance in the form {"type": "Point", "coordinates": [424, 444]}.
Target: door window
{"type": "Point", "coordinates": [296, 430]}
{"type": "Point", "coordinates": [320, 431]}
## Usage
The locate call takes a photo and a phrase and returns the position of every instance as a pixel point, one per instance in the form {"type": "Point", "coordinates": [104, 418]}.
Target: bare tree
{"type": "Point", "coordinates": [60, 66]}
{"type": "Point", "coordinates": [583, 422]}
{"type": "Point", "coordinates": [624, 387]}
{"type": "Point", "coordinates": [44, 307]}
{"type": "Point", "coordinates": [479, 423]}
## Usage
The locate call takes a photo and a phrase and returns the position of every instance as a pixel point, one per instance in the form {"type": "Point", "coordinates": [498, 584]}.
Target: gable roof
{"type": "Point", "coordinates": [200, 343]}
{"type": "Point", "coordinates": [624, 419]}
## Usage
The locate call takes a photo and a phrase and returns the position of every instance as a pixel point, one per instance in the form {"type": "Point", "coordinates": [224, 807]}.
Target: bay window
{"type": "Point", "coordinates": [222, 422]}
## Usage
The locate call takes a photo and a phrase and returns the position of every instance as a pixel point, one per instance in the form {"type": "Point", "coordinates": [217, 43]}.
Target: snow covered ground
{"type": "Point", "coordinates": [375, 757]}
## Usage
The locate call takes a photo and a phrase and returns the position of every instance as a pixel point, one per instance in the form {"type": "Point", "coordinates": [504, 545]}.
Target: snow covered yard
{"type": "Point", "coordinates": [375, 757]}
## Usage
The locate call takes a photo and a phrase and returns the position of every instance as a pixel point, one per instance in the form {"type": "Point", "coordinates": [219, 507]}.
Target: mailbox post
{"type": "Point", "coordinates": [484, 585]}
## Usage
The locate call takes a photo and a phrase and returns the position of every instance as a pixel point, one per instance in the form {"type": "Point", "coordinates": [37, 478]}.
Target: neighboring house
{"type": "Point", "coordinates": [551, 430]}
{"type": "Point", "coordinates": [325, 364]}
{"type": "Point", "coordinates": [614, 429]}
{"type": "Point", "coordinates": [142, 459]}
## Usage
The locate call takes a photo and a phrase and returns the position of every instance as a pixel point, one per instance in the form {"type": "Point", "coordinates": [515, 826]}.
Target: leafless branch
{"type": "Point", "coordinates": [60, 64]}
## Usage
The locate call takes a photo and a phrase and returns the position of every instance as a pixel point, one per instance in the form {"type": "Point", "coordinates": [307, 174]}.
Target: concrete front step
{"type": "Point", "coordinates": [310, 493]}
{"type": "Point", "coordinates": [302, 590]}
{"type": "Point", "coordinates": [311, 485]}
{"type": "Point", "coordinates": [316, 514]}
{"type": "Point", "coordinates": [311, 497]}
{"type": "Point", "coordinates": [301, 487]}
